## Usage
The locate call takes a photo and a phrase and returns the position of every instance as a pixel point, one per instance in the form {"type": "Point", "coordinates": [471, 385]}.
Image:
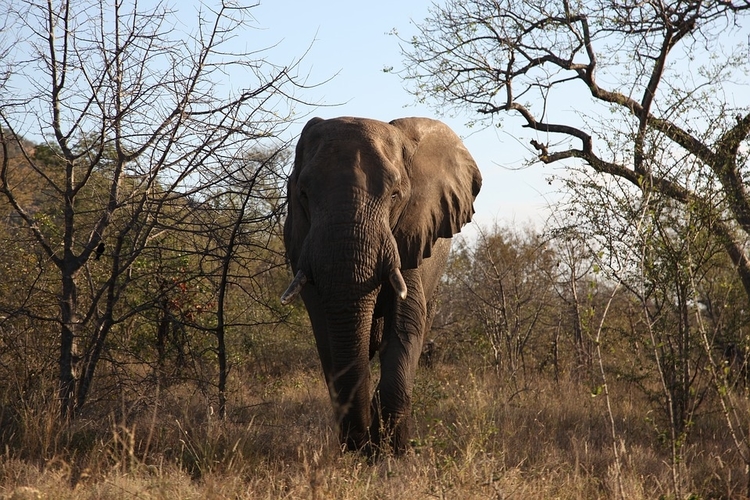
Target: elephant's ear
{"type": "Point", "coordinates": [297, 225]}
{"type": "Point", "coordinates": [444, 181]}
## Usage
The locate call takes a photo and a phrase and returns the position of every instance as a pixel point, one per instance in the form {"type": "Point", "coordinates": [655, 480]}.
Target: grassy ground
{"type": "Point", "coordinates": [478, 437]}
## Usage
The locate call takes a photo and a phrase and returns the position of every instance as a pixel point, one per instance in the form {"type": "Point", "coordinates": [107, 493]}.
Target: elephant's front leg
{"type": "Point", "coordinates": [403, 334]}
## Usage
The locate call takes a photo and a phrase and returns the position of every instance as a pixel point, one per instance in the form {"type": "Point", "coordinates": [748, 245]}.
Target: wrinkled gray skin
{"type": "Point", "coordinates": [372, 207]}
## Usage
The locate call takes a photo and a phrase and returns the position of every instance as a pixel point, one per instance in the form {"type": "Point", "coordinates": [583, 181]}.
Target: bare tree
{"type": "Point", "coordinates": [653, 86]}
{"type": "Point", "coordinates": [573, 283]}
{"type": "Point", "coordinates": [500, 287]}
{"type": "Point", "coordinates": [237, 229]}
{"type": "Point", "coordinates": [133, 112]}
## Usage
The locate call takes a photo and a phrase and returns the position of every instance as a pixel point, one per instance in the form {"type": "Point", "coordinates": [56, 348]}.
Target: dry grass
{"type": "Point", "coordinates": [476, 438]}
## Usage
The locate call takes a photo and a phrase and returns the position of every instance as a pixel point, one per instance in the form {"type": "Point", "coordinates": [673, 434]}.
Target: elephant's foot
{"type": "Point", "coordinates": [354, 440]}
{"type": "Point", "coordinates": [392, 434]}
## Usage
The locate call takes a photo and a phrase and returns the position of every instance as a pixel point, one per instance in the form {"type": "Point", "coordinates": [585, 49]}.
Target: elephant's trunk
{"type": "Point", "coordinates": [348, 265]}
{"type": "Point", "coordinates": [349, 378]}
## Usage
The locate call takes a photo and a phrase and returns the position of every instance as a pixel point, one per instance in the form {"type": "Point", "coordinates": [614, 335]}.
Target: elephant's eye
{"type": "Point", "coordinates": [303, 200]}
{"type": "Point", "coordinates": [396, 195]}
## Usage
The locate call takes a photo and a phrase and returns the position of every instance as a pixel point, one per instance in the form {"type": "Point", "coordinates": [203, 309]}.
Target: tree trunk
{"type": "Point", "coordinates": [67, 361]}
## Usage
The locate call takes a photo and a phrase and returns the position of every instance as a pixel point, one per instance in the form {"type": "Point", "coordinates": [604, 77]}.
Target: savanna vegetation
{"type": "Point", "coordinates": [143, 349]}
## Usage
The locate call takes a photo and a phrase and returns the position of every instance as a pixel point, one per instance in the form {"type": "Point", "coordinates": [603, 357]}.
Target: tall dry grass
{"type": "Point", "coordinates": [478, 436]}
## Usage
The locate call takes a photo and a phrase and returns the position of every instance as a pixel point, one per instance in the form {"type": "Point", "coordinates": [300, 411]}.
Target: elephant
{"type": "Point", "coordinates": [372, 207]}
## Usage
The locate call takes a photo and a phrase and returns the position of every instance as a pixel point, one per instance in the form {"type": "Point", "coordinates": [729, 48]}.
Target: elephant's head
{"type": "Point", "coordinates": [368, 200]}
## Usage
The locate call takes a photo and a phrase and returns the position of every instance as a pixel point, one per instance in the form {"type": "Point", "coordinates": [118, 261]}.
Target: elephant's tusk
{"type": "Point", "coordinates": [295, 287]}
{"type": "Point", "coordinates": [398, 283]}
